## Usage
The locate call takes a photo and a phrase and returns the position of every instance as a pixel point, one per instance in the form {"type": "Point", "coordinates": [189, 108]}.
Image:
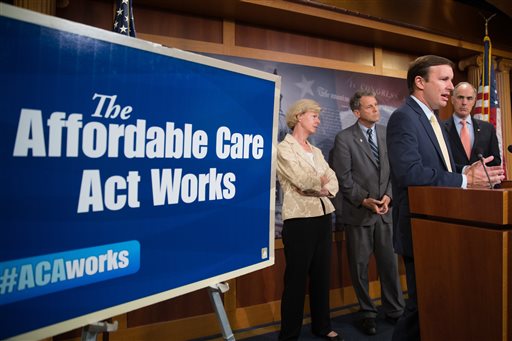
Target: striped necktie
{"type": "Point", "coordinates": [373, 146]}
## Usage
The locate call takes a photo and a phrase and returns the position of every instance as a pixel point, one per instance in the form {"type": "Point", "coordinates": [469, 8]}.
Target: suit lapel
{"type": "Point", "coordinates": [428, 129]}
{"type": "Point", "coordinates": [452, 160]}
{"type": "Point", "coordinates": [454, 137]}
{"type": "Point", "coordinates": [299, 151]}
{"type": "Point", "coordinates": [381, 137]}
{"type": "Point", "coordinates": [362, 141]}
{"type": "Point", "coordinates": [476, 133]}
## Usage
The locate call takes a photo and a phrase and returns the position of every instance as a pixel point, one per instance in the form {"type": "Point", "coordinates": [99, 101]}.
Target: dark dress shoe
{"type": "Point", "coordinates": [369, 326]}
{"type": "Point", "coordinates": [392, 320]}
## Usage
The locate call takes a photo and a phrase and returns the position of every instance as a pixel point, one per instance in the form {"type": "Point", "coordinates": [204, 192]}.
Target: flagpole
{"type": "Point", "coordinates": [487, 106]}
{"type": "Point", "coordinates": [483, 90]}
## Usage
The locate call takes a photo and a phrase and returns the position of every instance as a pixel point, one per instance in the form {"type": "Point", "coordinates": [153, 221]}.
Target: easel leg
{"type": "Point", "coordinates": [90, 332]}
{"type": "Point", "coordinates": [214, 291]}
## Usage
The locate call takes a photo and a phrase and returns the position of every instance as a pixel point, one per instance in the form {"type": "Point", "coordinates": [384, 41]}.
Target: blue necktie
{"type": "Point", "coordinates": [373, 146]}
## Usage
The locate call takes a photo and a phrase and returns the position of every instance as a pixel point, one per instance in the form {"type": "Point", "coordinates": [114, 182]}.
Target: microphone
{"type": "Point", "coordinates": [509, 148]}
{"type": "Point", "coordinates": [481, 158]}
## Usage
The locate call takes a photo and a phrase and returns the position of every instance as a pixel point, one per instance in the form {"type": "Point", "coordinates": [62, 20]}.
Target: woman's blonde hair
{"type": "Point", "coordinates": [298, 108]}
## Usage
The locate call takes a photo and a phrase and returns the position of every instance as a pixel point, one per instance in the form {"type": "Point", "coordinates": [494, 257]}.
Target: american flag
{"type": "Point", "coordinates": [487, 106]}
{"type": "Point", "coordinates": [123, 21]}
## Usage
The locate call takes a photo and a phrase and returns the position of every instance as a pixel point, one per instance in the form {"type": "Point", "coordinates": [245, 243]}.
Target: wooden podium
{"type": "Point", "coordinates": [462, 251]}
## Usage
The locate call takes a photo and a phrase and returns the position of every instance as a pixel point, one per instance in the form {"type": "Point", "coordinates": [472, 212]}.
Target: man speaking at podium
{"type": "Point", "coordinates": [419, 155]}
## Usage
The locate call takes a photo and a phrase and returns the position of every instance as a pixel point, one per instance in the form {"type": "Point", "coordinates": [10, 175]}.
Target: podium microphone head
{"type": "Point", "coordinates": [509, 148]}
{"type": "Point", "coordinates": [479, 153]}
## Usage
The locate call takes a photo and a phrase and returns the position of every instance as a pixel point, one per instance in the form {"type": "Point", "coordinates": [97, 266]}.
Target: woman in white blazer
{"type": "Point", "coordinates": [307, 183]}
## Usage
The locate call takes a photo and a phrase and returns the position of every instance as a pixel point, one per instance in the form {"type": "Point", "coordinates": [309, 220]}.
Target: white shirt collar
{"type": "Point", "coordinates": [364, 129]}
{"type": "Point", "coordinates": [423, 107]}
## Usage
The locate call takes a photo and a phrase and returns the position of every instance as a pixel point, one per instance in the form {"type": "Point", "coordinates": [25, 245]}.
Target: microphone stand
{"type": "Point", "coordinates": [481, 158]}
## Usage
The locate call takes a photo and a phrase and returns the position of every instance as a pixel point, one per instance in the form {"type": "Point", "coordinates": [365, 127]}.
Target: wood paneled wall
{"type": "Point", "coordinates": [317, 47]}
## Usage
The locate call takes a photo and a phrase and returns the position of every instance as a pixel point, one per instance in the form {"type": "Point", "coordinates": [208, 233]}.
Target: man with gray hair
{"type": "Point", "coordinates": [470, 137]}
{"type": "Point", "coordinates": [360, 160]}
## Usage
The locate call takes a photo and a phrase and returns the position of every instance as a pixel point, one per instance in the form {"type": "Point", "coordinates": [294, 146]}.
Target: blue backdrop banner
{"type": "Point", "coordinates": [131, 173]}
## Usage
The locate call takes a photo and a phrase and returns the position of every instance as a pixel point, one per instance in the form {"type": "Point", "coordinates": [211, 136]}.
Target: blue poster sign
{"type": "Point", "coordinates": [131, 173]}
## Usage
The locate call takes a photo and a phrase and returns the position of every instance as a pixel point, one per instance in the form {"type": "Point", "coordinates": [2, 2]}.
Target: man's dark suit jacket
{"type": "Point", "coordinates": [486, 142]}
{"type": "Point", "coordinates": [416, 160]}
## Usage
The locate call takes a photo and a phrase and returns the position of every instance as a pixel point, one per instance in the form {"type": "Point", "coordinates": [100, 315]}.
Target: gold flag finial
{"type": "Point", "coordinates": [487, 21]}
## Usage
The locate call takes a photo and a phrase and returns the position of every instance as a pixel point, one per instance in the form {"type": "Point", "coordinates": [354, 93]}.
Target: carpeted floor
{"type": "Point", "coordinates": [344, 321]}
{"type": "Point", "coordinates": [346, 324]}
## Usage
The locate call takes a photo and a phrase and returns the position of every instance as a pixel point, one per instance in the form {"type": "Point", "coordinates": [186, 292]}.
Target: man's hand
{"type": "Point", "coordinates": [478, 179]}
{"type": "Point", "coordinates": [372, 204]}
{"type": "Point", "coordinates": [384, 207]}
{"type": "Point", "coordinates": [377, 206]}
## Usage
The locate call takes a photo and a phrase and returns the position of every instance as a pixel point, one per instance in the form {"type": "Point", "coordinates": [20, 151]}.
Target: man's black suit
{"type": "Point", "coordinates": [485, 143]}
